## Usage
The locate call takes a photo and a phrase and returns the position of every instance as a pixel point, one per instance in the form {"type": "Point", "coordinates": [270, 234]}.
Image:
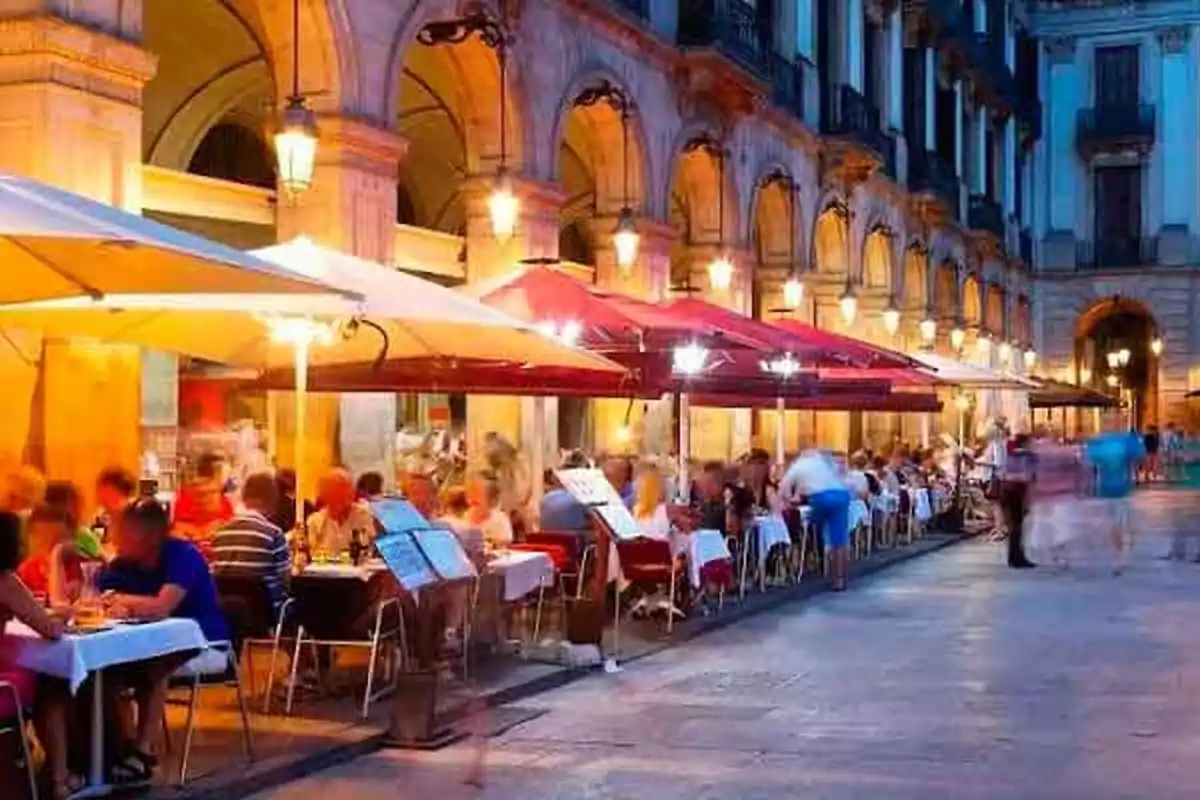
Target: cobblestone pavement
{"type": "Point", "coordinates": [951, 676]}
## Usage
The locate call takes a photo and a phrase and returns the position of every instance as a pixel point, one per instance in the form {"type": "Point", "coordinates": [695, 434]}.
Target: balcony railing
{"type": "Point", "coordinates": [787, 85]}
{"type": "Point", "coordinates": [984, 214]}
{"type": "Point", "coordinates": [846, 113]}
{"type": "Point", "coordinates": [1115, 252]}
{"type": "Point", "coordinates": [929, 173]}
{"type": "Point", "coordinates": [1115, 126]}
{"type": "Point", "coordinates": [732, 28]}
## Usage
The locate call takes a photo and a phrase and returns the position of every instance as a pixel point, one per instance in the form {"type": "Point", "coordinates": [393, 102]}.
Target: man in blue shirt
{"type": "Point", "coordinates": [1114, 456]}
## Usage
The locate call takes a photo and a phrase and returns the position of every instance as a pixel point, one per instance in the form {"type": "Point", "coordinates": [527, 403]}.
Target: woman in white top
{"type": "Point", "coordinates": [484, 514]}
{"type": "Point", "coordinates": [649, 503]}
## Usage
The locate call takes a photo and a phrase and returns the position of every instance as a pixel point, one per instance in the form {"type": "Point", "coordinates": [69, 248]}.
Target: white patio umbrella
{"type": "Point", "coordinates": [54, 244]}
{"type": "Point", "coordinates": [399, 317]}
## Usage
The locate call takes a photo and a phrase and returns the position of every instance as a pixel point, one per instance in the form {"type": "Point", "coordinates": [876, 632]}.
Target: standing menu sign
{"type": "Point", "coordinates": [397, 514]}
{"type": "Point", "coordinates": [592, 489]}
{"type": "Point", "coordinates": [445, 554]}
{"type": "Point", "coordinates": [399, 550]}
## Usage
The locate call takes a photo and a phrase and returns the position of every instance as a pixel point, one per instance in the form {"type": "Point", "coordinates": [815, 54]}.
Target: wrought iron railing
{"type": "Point", "coordinates": [845, 112]}
{"type": "Point", "coordinates": [1114, 125]}
{"type": "Point", "coordinates": [984, 214]}
{"type": "Point", "coordinates": [732, 27]}
{"type": "Point", "coordinates": [787, 84]}
{"type": "Point", "coordinates": [1114, 252]}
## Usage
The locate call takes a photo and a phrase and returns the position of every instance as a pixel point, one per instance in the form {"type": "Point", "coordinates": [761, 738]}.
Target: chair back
{"type": "Point", "coordinates": [327, 607]}
{"type": "Point", "coordinates": [645, 560]}
{"type": "Point", "coordinates": [247, 605]}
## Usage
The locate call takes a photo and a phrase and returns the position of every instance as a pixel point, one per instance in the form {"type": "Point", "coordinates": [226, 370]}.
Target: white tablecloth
{"type": "Point", "coordinates": [363, 572]}
{"type": "Point", "coordinates": [705, 547]}
{"type": "Point", "coordinates": [523, 572]}
{"type": "Point", "coordinates": [74, 656]}
{"type": "Point", "coordinates": [770, 531]}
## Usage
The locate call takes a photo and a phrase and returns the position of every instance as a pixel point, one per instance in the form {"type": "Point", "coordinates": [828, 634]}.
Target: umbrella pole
{"type": "Point", "coordinates": [685, 446]}
{"type": "Point", "coordinates": [298, 432]}
{"type": "Point", "coordinates": [925, 429]}
{"type": "Point", "coordinates": [780, 431]}
{"type": "Point", "coordinates": [537, 456]}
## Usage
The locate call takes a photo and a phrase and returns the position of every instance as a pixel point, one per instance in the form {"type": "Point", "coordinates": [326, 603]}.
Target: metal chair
{"type": "Point", "coordinates": [207, 671]}
{"type": "Point", "coordinates": [249, 610]}
{"type": "Point", "coordinates": [16, 726]}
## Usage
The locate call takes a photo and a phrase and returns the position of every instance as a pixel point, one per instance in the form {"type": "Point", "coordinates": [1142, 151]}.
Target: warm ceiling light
{"type": "Point", "coordinates": [689, 359]}
{"type": "Point", "coordinates": [720, 273]}
{"type": "Point", "coordinates": [1123, 356]}
{"type": "Point", "coordinates": [1005, 352]}
{"type": "Point", "coordinates": [984, 344]}
{"type": "Point", "coordinates": [928, 329]}
{"type": "Point", "coordinates": [785, 366]}
{"type": "Point", "coordinates": [1114, 359]}
{"type": "Point", "coordinates": [1030, 358]}
{"type": "Point", "coordinates": [962, 402]}
{"type": "Point", "coordinates": [1156, 346]}
{"type": "Point", "coordinates": [296, 146]}
{"type": "Point", "coordinates": [957, 337]}
{"type": "Point", "coordinates": [1085, 375]}
{"type": "Point", "coordinates": [1112, 380]}
{"type": "Point", "coordinates": [626, 239]}
{"type": "Point", "coordinates": [848, 304]}
{"type": "Point", "coordinates": [503, 206]}
{"type": "Point", "coordinates": [891, 317]}
{"type": "Point", "coordinates": [793, 293]}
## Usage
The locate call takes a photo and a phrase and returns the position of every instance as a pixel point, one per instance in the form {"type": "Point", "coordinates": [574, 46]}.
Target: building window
{"type": "Point", "coordinates": [1118, 219]}
{"type": "Point", "coordinates": [232, 152]}
{"type": "Point", "coordinates": [1117, 76]}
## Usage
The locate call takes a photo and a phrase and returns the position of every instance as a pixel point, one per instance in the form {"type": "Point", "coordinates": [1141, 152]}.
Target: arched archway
{"type": "Point", "coordinates": [831, 242]}
{"type": "Point", "coordinates": [945, 292]}
{"type": "Point", "coordinates": [234, 152]}
{"type": "Point", "coordinates": [916, 289]}
{"type": "Point", "coordinates": [776, 241]}
{"type": "Point", "coordinates": [993, 309]}
{"type": "Point", "coordinates": [1022, 321]}
{"type": "Point", "coordinates": [877, 260]}
{"type": "Point", "coordinates": [702, 210]}
{"type": "Point", "coordinates": [1113, 343]}
{"type": "Point", "coordinates": [972, 307]}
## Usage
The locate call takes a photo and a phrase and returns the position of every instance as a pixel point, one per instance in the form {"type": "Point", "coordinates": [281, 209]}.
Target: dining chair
{"type": "Point", "coordinates": [649, 562]}
{"type": "Point", "coordinates": [15, 726]}
{"type": "Point", "coordinates": [215, 667]}
{"type": "Point", "coordinates": [255, 622]}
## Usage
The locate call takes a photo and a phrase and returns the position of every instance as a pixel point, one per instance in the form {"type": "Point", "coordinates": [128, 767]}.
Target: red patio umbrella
{"type": "Point", "coordinates": [905, 402]}
{"type": "Point", "coordinates": [856, 352]}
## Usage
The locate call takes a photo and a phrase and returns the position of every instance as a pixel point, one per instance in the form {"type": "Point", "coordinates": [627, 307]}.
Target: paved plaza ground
{"type": "Point", "coordinates": [950, 676]}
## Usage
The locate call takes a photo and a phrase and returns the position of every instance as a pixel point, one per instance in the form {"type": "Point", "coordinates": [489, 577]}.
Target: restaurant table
{"type": "Point", "coordinates": [75, 656]}
{"type": "Point", "coordinates": [704, 547]}
{"type": "Point", "coordinates": [363, 572]}
{"type": "Point", "coordinates": [523, 572]}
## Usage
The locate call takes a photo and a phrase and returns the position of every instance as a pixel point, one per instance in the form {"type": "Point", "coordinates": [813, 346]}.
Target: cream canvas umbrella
{"type": "Point", "coordinates": [54, 244]}
{"type": "Point", "coordinates": [399, 317]}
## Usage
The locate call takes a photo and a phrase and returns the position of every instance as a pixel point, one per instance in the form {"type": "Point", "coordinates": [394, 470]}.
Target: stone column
{"type": "Point", "coordinates": [1177, 155]}
{"type": "Point", "coordinates": [979, 150]}
{"type": "Point", "coordinates": [536, 236]}
{"type": "Point", "coordinates": [1010, 168]}
{"type": "Point", "coordinates": [960, 166]}
{"type": "Point", "coordinates": [854, 43]}
{"type": "Point", "coordinates": [351, 207]}
{"type": "Point", "coordinates": [930, 100]}
{"type": "Point", "coordinates": [642, 426]}
{"type": "Point", "coordinates": [895, 71]}
{"type": "Point", "coordinates": [71, 116]}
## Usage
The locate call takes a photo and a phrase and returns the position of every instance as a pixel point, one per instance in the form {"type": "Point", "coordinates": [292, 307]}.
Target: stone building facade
{"type": "Point", "coordinates": [882, 148]}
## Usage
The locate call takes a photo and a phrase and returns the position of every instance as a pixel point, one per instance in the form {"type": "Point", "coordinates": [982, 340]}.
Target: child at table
{"type": "Point", "coordinates": [52, 567]}
{"type": "Point", "coordinates": [50, 708]}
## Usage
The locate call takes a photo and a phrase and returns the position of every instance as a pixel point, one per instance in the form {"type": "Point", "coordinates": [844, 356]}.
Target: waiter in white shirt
{"type": "Point", "coordinates": [814, 476]}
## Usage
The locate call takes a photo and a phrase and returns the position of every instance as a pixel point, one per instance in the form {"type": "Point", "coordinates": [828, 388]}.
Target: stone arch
{"type": "Point", "coordinates": [695, 181]}
{"type": "Point", "coordinates": [877, 259]}
{"type": "Point", "coordinates": [774, 232]}
{"type": "Point", "coordinates": [1120, 323]}
{"type": "Point", "coordinates": [831, 241]}
{"type": "Point", "coordinates": [234, 152]}
{"type": "Point", "coordinates": [972, 303]}
{"type": "Point", "coordinates": [945, 291]}
{"type": "Point", "coordinates": [915, 280]}
{"type": "Point", "coordinates": [994, 308]}
{"type": "Point", "coordinates": [1023, 320]}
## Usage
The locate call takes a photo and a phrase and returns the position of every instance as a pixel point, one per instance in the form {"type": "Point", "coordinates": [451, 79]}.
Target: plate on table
{"type": "Point", "coordinates": [95, 627]}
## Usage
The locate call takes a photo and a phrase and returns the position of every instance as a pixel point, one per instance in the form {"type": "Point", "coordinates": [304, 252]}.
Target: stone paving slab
{"type": "Point", "coordinates": [950, 676]}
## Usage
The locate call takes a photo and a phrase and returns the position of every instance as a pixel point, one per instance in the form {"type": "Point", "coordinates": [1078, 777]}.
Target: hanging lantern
{"type": "Point", "coordinates": [1156, 346]}
{"type": "Point", "coordinates": [720, 273]}
{"type": "Point", "coordinates": [793, 293]}
{"type": "Point", "coordinates": [928, 329]}
{"type": "Point", "coordinates": [503, 206]}
{"type": "Point", "coordinates": [1005, 352]}
{"type": "Point", "coordinates": [1085, 375]}
{"type": "Point", "coordinates": [891, 317]}
{"type": "Point", "coordinates": [983, 344]}
{"type": "Point", "coordinates": [1031, 359]}
{"type": "Point", "coordinates": [849, 304]}
{"type": "Point", "coordinates": [626, 239]}
{"type": "Point", "coordinates": [785, 366]}
{"type": "Point", "coordinates": [957, 338]}
{"type": "Point", "coordinates": [296, 146]}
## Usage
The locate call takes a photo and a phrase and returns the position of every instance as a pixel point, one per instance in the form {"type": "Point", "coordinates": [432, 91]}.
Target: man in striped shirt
{"type": "Point", "coordinates": [250, 544]}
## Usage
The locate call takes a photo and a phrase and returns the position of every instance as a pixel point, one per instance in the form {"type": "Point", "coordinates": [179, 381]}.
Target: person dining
{"type": "Point", "coordinates": [251, 545]}
{"type": "Point", "coordinates": [48, 697]}
{"type": "Point", "coordinates": [342, 516]}
{"type": "Point", "coordinates": [154, 576]}
{"type": "Point", "coordinates": [455, 510]}
{"type": "Point", "coordinates": [116, 488]}
{"type": "Point", "coordinates": [203, 505]}
{"type": "Point", "coordinates": [65, 498]}
{"type": "Point", "coordinates": [649, 503]}
{"type": "Point", "coordinates": [51, 568]}
{"type": "Point", "coordinates": [483, 497]}
{"type": "Point", "coordinates": [757, 481]}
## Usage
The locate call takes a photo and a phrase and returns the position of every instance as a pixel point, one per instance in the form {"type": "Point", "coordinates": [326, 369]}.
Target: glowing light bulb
{"type": "Point", "coordinates": [503, 207]}
{"type": "Point", "coordinates": [720, 273]}
{"type": "Point", "coordinates": [793, 294]}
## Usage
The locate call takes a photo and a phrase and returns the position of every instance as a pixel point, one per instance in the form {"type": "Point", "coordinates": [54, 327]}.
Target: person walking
{"type": "Point", "coordinates": [1014, 497]}
{"type": "Point", "coordinates": [814, 477]}
{"type": "Point", "coordinates": [1114, 456]}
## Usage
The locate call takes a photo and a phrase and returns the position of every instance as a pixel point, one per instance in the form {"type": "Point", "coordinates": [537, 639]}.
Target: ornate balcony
{"type": "Point", "coordinates": [854, 122]}
{"type": "Point", "coordinates": [931, 175]}
{"type": "Point", "coordinates": [1117, 252]}
{"type": "Point", "coordinates": [787, 85]}
{"type": "Point", "coordinates": [1115, 128]}
{"type": "Point", "coordinates": [984, 214]}
{"type": "Point", "coordinates": [729, 27]}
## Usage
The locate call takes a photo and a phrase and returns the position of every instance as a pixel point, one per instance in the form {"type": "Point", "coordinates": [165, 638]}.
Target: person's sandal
{"type": "Point", "coordinates": [133, 768]}
{"type": "Point", "coordinates": [67, 787]}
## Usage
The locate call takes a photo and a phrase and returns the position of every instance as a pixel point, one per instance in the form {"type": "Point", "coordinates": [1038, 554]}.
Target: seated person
{"type": "Point", "coordinates": [116, 488]}
{"type": "Point", "coordinates": [649, 503]}
{"type": "Point", "coordinates": [251, 545]}
{"type": "Point", "coordinates": [560, 511]}
{"type": "Point", "coordinates": [203, 506]}
{"type": "Point", "coordinates": [64, 497]}
{"type": "Point", "coordinates": [369, 486]}
{"type": "Point", "coordinates": [342, 517]}
{"type": "Point", "coordinates": [455, 509]}
{"type": "Point", "coordinates": [154, 576]}
{"type": "Point", "coordinates": [47, 696]}
{"type": "Point", "coordinates": [483, 497]}
{"type": "Point", "coordinates": [52, 567]}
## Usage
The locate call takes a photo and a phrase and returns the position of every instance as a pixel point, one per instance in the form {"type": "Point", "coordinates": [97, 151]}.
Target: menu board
{"type": "Point", "coordinates": [592, 489]}
{"type": "Point", "coordinates": [397, 514]}
{"type": "Point", "coordinates": [445, 553]}
{"type": "Point", "coordinates": [405, 561]}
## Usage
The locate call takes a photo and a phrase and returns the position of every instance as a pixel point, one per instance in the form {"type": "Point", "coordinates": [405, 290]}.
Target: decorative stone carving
{"type": "Point", "coordinates": [1061, 49]}
{"type": "Point", "coordinates": [1175, 39]}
